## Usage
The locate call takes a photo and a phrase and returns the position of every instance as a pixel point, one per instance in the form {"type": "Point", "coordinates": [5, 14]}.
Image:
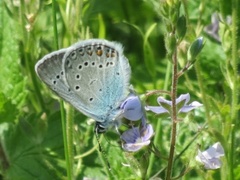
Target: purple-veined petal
{"type": "Point", "coordinates": [156, 109]}
{"type": "Point", "coordinates": [132, 108]}
{"type": "Point", "coordinates": [147, 132]}
{"type": "Point", "coordinates": [215, 150]}
{"type": "Point", "coordinates": [144, 120]}
{"type": "Point", "coordinates": [190, 107]}
{"type": "Point", "coordinates": [136, 138]}
{"type": "Point", "coordinates": [196, 104]}
{"type": "Point", "coordinates": [181, 102]}
{"type": "Point", "coordinates": [183, 97]}
{"type": "Point", "coordinates": [131, 135]}
{"type": "Point", "coordinates": [133, 147]}
{"type": "Point", "coordinates": [161, 100]}
{"type": "Point", "coordinates": [212, 163]}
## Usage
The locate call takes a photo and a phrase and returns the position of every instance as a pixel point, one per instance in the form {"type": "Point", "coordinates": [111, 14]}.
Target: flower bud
{"type": "Point", "coordinates": [181, 27]}
{"type": "Point", "coordinates": [195, 49]}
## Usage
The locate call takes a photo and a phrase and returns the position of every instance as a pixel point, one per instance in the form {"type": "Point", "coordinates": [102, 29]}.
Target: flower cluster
{"type": "Point", "coordinates": [136, 137]}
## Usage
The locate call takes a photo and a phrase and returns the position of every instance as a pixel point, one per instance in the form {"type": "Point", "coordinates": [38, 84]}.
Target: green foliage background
{"type": "Point", "coordinates": [31, 138]}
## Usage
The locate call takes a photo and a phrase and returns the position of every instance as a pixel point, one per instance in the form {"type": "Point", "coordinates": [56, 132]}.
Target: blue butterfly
{"type": "Point", "coordinates": [92, 75]}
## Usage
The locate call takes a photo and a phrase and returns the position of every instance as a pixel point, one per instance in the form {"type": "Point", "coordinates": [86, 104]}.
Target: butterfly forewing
{"type": "Point", "coordinates": [49, 70]}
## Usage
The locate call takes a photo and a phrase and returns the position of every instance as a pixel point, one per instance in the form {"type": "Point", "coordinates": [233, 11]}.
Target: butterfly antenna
{"type": "Point", "coordinates": [102, 151]}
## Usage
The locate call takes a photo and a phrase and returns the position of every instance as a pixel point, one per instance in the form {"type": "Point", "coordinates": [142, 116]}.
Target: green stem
{"type": "Point", "coordinates": [55, 30]}
{"type": "Point", "coordinates": [63, 121]}
{"type": "Point", "coordinates": [173, 116]}
{"type": "Point", "coordinates": [103, 158]}
{"type": "Point", "coordinates": [202, 90]}
{"type": "Point", "coordinates": [67, 124]}
{"type": "Point", "coordinates": [235, 85]}
{"type": "Point", "coordinates": [69, 138]}
{"type": "Point", "coordinates": [27, 59]}
{"type": "Point", "coordinates": [158, 132]}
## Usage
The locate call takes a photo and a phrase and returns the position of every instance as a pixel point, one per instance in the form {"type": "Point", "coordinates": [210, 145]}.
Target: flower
{"type": "Point", "coordinates": [132, 108]}
{"type": "Point", "coordinates": [211, 157]}
{"type": "Point", "coordinates": [213, 28]}
{"type": "Point", "coordinates": [137, 137]}
{"type": "Point", "coordinates": [181, 101]}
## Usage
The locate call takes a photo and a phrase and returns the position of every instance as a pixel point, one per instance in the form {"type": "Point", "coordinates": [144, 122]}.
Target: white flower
{"type": "Point", "coordinates": [211, 157]}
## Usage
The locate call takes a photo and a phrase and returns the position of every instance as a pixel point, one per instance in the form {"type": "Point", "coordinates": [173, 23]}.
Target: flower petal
{"type": "Point", "coordinates": [131, 135]}
{"type": "Point", "coordinates": [156, 109]}
{"type": "Point", "coordinates": [212, 163]}
{"type": "Point", "coordinates": [136, 138]}
{"type": "Point", "coordinates": [215, 151]}
{"type": "Point", "coordinates": [190, 107]}
{"type": "Point", "coordinates": [161, 100]}
{"type": "Point", "coordinates": [183, 97]}
{"type": "Point", "coordinates": [132, 108]}
{"type": "Point", "coordinates": [147, 132]}
{"type": "Point", "coordinates": [211, 157]}
{"type": "Point", "coordinates": [133, 147]}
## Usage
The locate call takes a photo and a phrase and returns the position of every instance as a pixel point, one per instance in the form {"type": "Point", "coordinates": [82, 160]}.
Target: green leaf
{"type": "Point", "coordinates": [181, 27]}
{"type": "Point", "coordinates": [8, 111]}
{"type": "Point", "coordinates": [30, 150]}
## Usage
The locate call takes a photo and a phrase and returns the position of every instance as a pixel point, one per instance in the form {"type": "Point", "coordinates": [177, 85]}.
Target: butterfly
{"type": "Point", "coordinates": [92, 75]}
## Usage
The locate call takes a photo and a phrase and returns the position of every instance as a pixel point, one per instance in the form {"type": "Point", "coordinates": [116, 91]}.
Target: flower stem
{"type": "Point", "coordinates": [173, 115]}
{"type": "Point", "coordinates": [67, 123]}
{"type": "Point", "coordinates": [158, 132]}
{"type": "Point", "coordinates": [235, 85]}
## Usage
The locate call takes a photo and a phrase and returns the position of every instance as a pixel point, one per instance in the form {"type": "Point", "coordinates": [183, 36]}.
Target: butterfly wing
{"type": "Point", "coordinates": [92, 75]}
{"type": "Point", "coordinates": [49, 70]}
{"type": "Point", "coordinates": [97, 71]}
